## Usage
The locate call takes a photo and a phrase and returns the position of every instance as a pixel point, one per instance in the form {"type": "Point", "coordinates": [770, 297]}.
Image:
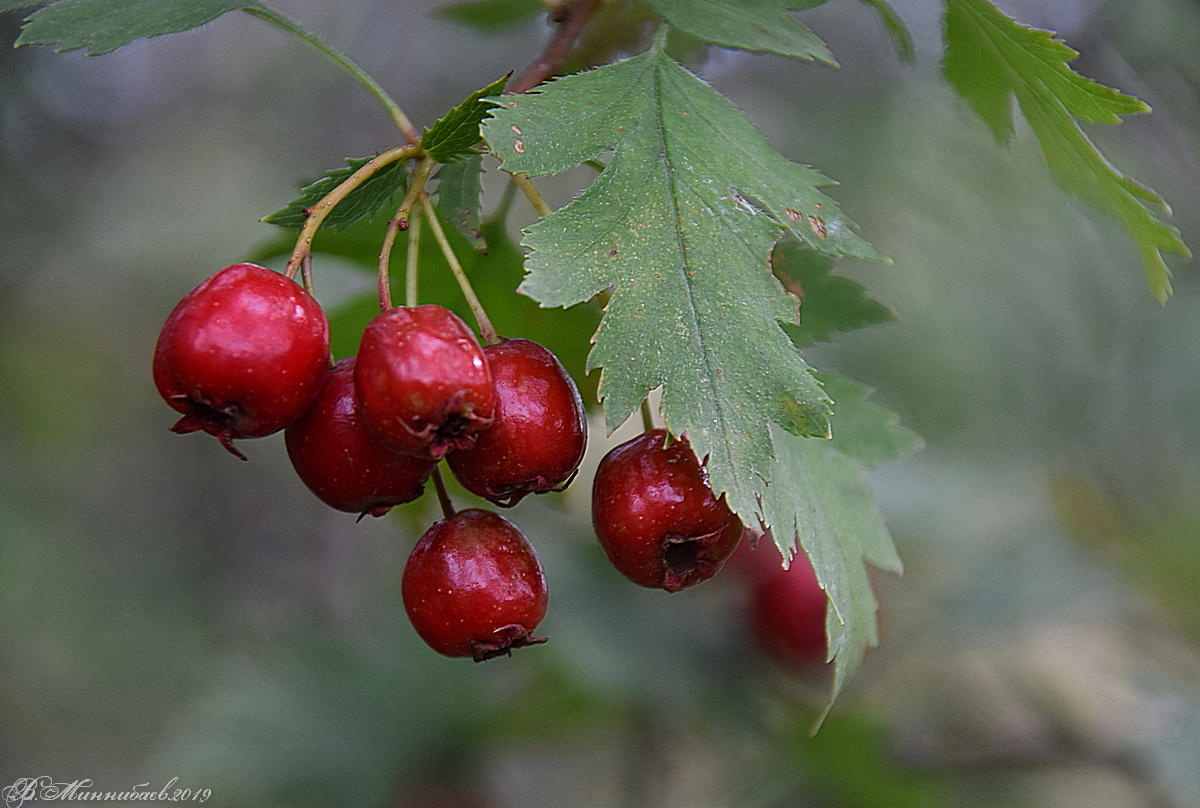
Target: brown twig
{"type": "Point", "coordinates": [571, 16]}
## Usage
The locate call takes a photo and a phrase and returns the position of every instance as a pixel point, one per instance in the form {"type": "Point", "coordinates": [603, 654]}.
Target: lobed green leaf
{"type": "Point", "coordinates": [457, 134]}
{"type": "Point", "coordinates": [991, 59]}
{"type": "Point", "coordinates": [828, 303]}
{"type": "Point", "coordinates": [102, 26]}
{"type": "Point", "coordinates": [459, 188]}
{"type": "Point", "coordinates": [378, 193]}
{"type": "Point", "coordinates": [752, 25]}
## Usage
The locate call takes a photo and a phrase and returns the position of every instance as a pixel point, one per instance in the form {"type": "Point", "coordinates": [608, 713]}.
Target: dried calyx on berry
{"type": "Point", "coordinates": [423, 382]}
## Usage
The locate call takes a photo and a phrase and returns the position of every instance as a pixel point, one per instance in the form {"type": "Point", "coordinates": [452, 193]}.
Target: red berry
{"type": "Point", "coordinates": [656, 517]}
{"type": "Point", "coordinates": [423, 381]}
{"type": "Point", "coordinates": [473, 586]}
{"type": "Point", "coordinates": [787, 607]}
{"type": "Point", "coordinates": [538, 438]}
{"type": "Point", "coordinates": [242, 355]}
{"type": "Point", "coordinates": [342, 462]}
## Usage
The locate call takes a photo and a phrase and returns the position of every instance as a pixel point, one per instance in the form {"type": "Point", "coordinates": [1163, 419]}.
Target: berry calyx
{"type": "Point", "coordinates": [423, 382]}
{"type": "Point", "coordinates": [474, 587]}
{"type": "Point", "coordinates": [340, 461]}
{"type": "Point", "coordinates": [539, 436]}
{"type": "Point", "coordinates": [242, 355]}
{"type": "Point", "coordinates": [656, 518]}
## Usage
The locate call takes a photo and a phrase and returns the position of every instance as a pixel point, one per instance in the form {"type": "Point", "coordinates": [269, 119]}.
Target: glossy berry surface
{"type": "Point", "coordinates": [341, 461]}
{"type": "Point", "coordinates": [787, 608]}
{"type": "Point", "coordinates": [540, 433]}
{"type": "Point", "coordinates": [474, 587]}
{"type": "Point", "coordinates": [242, 355]}
{"type": "Point", "coordinates": [656, 517]}
{"type": "Point", "coordinates": [423, 382]}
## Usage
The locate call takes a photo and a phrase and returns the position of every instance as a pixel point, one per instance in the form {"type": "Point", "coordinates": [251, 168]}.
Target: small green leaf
{"type": "Point", "coordinates": [102, 26]}
{"type": "Point", "coordinates": [991, 58]}
{"type": "Point", "coordinates": [459, 188]}
{"type": "Point", "coordinates": [488, 14]}
{"type": "Point", "coordinates": [893, 23]}
{"type": "Point", "coordinates": [862, 430]}
{"type": "Point", "coordinates": [752, 25]}
{"type": "Point", "coordinates": [457, 134]}
{"type": "Point", "coordinates": [828, 303]}
{"type": "Point", "coordinates": [364, 202]}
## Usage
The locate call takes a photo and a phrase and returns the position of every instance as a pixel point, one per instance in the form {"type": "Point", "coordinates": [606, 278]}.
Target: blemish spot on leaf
{"type": "Point", "coordinates": [519, 146]}
{"type": "Point", "coordinates": [794, 215]}
{"type": "Point", "coordinates": [818, 226]}
{"type": "Point", "coordinates": [515, 129]}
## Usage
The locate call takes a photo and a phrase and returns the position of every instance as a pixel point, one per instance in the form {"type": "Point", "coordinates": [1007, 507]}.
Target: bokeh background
{"type": "Point", "coordinates": [168, 612]}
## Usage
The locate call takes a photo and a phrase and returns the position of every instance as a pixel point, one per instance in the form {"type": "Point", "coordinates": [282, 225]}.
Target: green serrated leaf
{"type": "Point", "coordinates": [102, 26]}
{"type": "Point", "coordinates": [828, 303]}
{"type": "Point", "coordinates": [377, 194]}
{"type": "Point", "coordinates": [753, 25]}
{"type": "Point", "coordinates": [862, 430]}
{"type": "Point", "coordinates": [459, 188]}
{"type": "Point", "coordinates": [489, 14]}
{"type": "Point", "coordinates": [991, 58]}
{"type": "Point", "coordinates": [893, 23]}
{"type": "Point", "coordinates": [457, 134]}
{"type": "Point", "coordinates": [669, 230]}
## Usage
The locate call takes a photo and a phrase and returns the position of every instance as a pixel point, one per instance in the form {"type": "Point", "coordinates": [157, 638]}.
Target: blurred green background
{"type": "Point", "coordinates": [166, 611]}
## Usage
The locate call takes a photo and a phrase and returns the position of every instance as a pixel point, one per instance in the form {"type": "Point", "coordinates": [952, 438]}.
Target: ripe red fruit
{"type": "Point", "coordinates": [538, 438]}
{"type": "Point", "coordinates": [656, 517]}
{"type": "Point", "coordinates": [473, 586]}
{"type": "Point", "coordinates": [242, 355]}
{"type": "Point", "coordinates": [423, 382]}
{"type": "Point", "coordinates": [341, 461]}
{"type": "Point", "coordinates": [787, 607]}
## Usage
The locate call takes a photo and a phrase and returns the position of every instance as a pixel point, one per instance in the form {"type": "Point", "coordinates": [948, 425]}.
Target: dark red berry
{"type": "Point", "coordinates": [787, 607]}
{"type": "Point", "coordinates": [473, 586]}
{"type": "Point", "coordinates": [423, 381]}
{"type": "Point", "coordinates": [242, 355]}
{"type": "Point", "coordinates": [538, 438]}
{"type": "Point", "coordinates": [656, 517]}
{"type": "Point", "coordinates": [341, 461]}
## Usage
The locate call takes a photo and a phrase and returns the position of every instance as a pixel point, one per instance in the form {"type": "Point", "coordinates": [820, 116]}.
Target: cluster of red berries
{"type": "Point", "coordinates": [246, 354]}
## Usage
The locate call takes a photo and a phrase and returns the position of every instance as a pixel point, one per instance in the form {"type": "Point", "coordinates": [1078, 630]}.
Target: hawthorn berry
{"type": "Point", "coordinates": [473, 586]}
{"type": "Point", "coordinates": [242, 355]}
{"type": "Point", "coordinates": [341, 461]}
{"type": "Point", "coordinates": [423, 382]}
{"type": "Point", "coordinates": [656, 518]}
{"type": "Point", "coordinates": [540, 433]}
{"type": "Point", "coordinates": [787, 608]}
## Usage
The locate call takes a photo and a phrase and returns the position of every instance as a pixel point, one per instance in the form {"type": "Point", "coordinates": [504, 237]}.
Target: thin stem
{"type": "Point", "coordinates": [486, 330]}
{"type": "Point", "coordinates": [401, 221]}
{"type": "Point", "coordinates": [443, 496]}
{"type": "Point", "coordinates": [572, 16]}
{"type": "Point", "coordinates": [280, 21]}
{"type": "Point", "coordinates": [317, 213]}
{"type": "Point", "coordinates": [413, 261]}
{"type": "Point", "coordinates": [531, 193]}
{"type": "Point", "coordinates": [306, 275]}
{"type": "Point", "coordinates": [384, 273]}
{"type": "Point", "coordinates": [647, 415]}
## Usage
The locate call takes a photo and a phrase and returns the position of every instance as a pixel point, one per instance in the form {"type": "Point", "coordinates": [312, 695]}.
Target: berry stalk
{"type": "Point", "coordinates": [486, 329]}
